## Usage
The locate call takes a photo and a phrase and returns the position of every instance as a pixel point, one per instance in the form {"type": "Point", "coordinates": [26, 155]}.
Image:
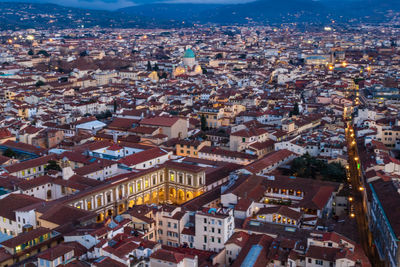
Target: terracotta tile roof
{"type": "Point", "coordinates": [162, 121]}
{"type": "Point", "coordinates": [239, 238]}
{"type": "Point", "coordinates": [63, 214]}
{"type": "Point", "coordinates": [322, 253]}
{"type": "Point", "coordinates": [322, 196]}
{"type": "Point", "coordinates": [4, 159]}
{"type": "Point", "coordinates": [55, 252]}
{"type": "Point", "coordinates": [25, 237]}
{"type": "Point", "coordinates": [250, 132]}
{"type": "Point", "coordinates": [122, 124]}
{"type": "Point", "coordinates": [389, 199]}
{"type": "Point", "coordinates": [143, 156]}
{"type": "Point", "coordinates": [167, 255]}
{"type": "Point", "coordinates": [143, 130]}
{"type": "Point", "coordinates": [227, 153]}
{"type": "Point", "coordinates": [4, 133]}
{"type": "Point", "coordinates": [107, 262]}
{"type": "Point", "coordinates": [269, 160]}
{"type": "Point", "coordinates": [13, 202]}
{"type": "Point", "coordinates": [24, 147]}
{"type": "Point", "coordinates": [30, 163]}
{"type": "Point", "coordinates": [32, 183]}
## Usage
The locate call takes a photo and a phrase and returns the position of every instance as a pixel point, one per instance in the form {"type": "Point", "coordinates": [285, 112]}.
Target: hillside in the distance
{"type": "Point", "coordinates": [272, 11]}
{"type": "Point", "coordinates": [15, 16]}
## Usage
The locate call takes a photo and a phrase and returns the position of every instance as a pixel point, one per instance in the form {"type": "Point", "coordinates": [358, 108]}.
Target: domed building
{"type": "Point", "coordinates": [188, 65]}
{"type": "Point", "coordinates": [189, 58]}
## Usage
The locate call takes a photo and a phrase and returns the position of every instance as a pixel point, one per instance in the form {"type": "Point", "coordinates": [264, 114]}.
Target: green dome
{"type": "Point", "coordinates": [189, 53]}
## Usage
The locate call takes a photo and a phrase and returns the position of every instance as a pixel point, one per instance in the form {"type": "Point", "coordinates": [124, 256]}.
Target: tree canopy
{"type": "Point", "coordinates": [310, 167]}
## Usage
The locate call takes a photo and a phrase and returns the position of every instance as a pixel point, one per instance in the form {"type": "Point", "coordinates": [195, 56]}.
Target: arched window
{"type": "Point", "coordinates": [99, 204]}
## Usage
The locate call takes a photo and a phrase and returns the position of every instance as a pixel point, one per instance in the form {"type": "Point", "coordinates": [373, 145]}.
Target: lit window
{"type": "Point", "coordinates": [172, 177]}
{"type": "Point", "coordinates": [146, 183]}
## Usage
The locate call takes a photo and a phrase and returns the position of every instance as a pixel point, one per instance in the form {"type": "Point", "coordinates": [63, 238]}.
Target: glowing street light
{"type": "Point", "coordinates": [352, 215]}
{"type": "Point", "coordinates": [350, 199]}
{"type": "Point", "coordinates": [344, 64]}
{"type": "Point", "coordinates": [361, 188]}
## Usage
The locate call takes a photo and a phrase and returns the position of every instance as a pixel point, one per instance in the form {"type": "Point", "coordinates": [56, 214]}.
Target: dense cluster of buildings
{"type": "Point", "coordinates": [178, 147]}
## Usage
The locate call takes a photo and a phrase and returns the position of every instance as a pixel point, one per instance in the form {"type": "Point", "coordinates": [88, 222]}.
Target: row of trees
{"type": "Point", "coordinates": [310, 167]}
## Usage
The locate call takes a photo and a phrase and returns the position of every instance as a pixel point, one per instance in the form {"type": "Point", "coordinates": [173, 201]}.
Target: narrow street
{"type": "Point", "coordinates": [358, 192]}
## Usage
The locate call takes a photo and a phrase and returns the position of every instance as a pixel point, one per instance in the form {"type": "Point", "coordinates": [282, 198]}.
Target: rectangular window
{"type": "Point", "coordinates": [319, 262]}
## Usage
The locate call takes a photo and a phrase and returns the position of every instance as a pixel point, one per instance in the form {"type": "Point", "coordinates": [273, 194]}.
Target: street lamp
{"type": "Point", "coordinates": [352, 215]}
{"type": "Point", "coordinates": [361, 188]}
{"type": "Point", "coordinates": [356, 158]}
{"type": "Point", "coordinates": [350, 199]}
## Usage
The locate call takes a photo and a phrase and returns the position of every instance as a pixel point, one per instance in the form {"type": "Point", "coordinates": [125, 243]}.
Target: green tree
{"type": "Point", "coordinates": [43, 52]}
{"type": "Point", "coordinates": [149, 67]}
{"type": "Point", "coordinates": [30, 52]}
{"type": "Point", "coordinates": [296, 110]}
{"type": "Point", "coordinates": [9, 153]}
{"type": "Point", "coordinates": [156, 68]}
{"type": "Point", "coordinates": [219, 56]}
{"type": "Point", "coordinates": [164, 75]}
{"type": "Point", "coordinates": [39, 83]}
{"type": "Point", "coordinates": [309, 167]}
{"type": "Point", "coordinates": [203, 122]}
{"type": "Point", "coordinates": [115, 106]}
{"type": "Point", "coordinates": [333, 172]}
{"type": "Point", "coordinates": [52, 165]}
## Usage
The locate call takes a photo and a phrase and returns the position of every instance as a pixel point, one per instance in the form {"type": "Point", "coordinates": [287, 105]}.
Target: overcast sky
{"type": "Point", "coordinates": [115, 4]}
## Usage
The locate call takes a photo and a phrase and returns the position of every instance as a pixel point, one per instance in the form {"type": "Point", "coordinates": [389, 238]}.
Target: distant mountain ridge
{"type": "Point", "coordinates": [271, 11]}
{"type": "Point", "coordinates": [16, 15]}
